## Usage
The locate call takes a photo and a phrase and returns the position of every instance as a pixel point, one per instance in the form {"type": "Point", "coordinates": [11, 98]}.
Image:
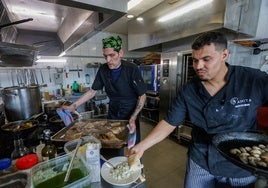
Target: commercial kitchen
{"type": "Point", "coordinates": [50, 52]}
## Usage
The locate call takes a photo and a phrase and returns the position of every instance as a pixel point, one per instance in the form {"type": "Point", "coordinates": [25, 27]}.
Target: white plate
{"type": "Point", "coordinates": [105, 173]}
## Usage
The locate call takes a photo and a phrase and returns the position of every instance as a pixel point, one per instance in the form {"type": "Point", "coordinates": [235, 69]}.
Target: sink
{"type": "Point", "coordinates": [15, 180]}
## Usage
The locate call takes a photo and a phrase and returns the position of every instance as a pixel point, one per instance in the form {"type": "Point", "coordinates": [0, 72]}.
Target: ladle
{"type": "Point", "coordinates": [72, 160]}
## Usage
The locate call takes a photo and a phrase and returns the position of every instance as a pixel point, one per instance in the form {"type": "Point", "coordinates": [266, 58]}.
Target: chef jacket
{"type": "Point", "coordinates": [123, 92]}
{"type": "Point", "coordinates": [232, 109]}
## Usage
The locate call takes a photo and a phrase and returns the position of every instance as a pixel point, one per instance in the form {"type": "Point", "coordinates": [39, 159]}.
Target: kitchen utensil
{"type": "Point", "coordinates": [72, 160]}
{"type": "Point", "coordinates": [78, 71]}
{"type": "Point", "coordinates": [106, 174]}
{"type": "Point", "coordinates": [107, 161]}
{"type": "Point", "coordinates": [18, 98]}
{"type": "Point", "coordinates": [48, 67]}
{"type": "Point", "coordinates": [256, 51]}
{"type": "Point", "coordinates": [97, 131]}
{"type": "Point", "coordinates": [225, 142]}
{"type": "Point", "coordinates": [12, 79]}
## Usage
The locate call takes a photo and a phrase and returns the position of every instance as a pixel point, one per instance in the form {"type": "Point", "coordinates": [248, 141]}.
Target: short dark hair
{"type": "Point", "coordinates": [207, 38]}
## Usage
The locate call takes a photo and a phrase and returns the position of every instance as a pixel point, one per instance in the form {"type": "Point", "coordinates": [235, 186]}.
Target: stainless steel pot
{"type": "Point", "coordinates": [21, 103]}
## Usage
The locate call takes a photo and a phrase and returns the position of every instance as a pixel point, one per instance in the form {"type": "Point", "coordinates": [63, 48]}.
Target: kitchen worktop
{"type": "Point", "coordinates": [23, 179]}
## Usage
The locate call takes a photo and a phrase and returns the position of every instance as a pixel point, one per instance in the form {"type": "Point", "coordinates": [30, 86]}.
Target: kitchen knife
{"type": "Point", "coordinates": [131, 138]}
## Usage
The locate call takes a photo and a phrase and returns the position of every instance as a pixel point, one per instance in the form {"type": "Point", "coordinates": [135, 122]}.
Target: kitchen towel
{"type": "Point", "coordinates": [65, 116]}
{"type": "Point", "coordinates": [131, 137]}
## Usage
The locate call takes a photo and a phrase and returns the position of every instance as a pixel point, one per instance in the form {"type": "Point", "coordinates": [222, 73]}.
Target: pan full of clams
{"type": "Point", "coordinates": [245, 149]}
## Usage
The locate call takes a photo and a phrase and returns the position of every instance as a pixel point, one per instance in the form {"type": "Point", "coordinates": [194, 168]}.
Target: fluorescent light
{"type": "Point", "coordinates": [184, 9]}
{"type": "Point", "coordinates": [51, 61]}
{"type": "Point", "coordinates": [62, 54]}
{"type": "Point", "coordinates": [130, 16]}
{"type": "Point", "coordinates": [139, 19]}
{"type": "Point", "coordinates": [132, 3]}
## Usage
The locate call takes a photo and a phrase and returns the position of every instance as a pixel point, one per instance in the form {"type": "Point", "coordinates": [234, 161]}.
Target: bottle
{"type": "Point", "coordinates": [87, 79]}
{"type": "Point", "coordinates": [75, 87]}
{"type": "Point", "coordinates": [50, 150]}
{"type": "Point", "coordinates": [19, 149]}
{"type": "Point", "coordinates": [81, 88]}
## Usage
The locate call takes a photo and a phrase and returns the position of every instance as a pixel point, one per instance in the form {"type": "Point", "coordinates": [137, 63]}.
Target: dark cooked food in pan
{"type": "Point", "coordinates": [19, 126]}
{"type": "Point", "coordinates": [253, 155]}
{"type": "Point", "coordinates": [225, 142]}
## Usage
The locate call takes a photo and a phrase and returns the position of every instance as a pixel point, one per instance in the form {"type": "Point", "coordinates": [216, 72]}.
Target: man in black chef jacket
{"type": "Point", "coordinates": [123, 84]}
{"type": "Point", "coordinates": [222, 98]}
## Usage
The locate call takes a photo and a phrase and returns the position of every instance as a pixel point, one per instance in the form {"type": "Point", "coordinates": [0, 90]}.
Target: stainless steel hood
{"type": "Point", "coordinates": [57, 26]}
{"type": "Point", "coordinates": [237, 18]}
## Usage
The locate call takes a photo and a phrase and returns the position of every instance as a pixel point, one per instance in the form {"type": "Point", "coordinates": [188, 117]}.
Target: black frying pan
{"type": "Point", "coordinates": [225, 142]}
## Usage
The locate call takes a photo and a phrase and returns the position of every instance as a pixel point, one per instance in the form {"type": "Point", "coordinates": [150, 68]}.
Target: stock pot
{"type": "Point", "coordinates": [21, 103]}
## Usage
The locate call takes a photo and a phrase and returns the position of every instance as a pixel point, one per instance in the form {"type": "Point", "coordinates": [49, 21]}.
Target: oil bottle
{"type": "Point", "coordinates": [50, 150]}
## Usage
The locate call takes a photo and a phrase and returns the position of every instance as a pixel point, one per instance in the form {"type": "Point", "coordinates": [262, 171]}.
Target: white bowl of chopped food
{"type": "Point", "coordinates": [120, 174]}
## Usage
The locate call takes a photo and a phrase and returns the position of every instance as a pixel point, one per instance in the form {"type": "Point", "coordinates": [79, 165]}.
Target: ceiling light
{"type": "Point", "coordinates": [51, 61]}
{"type": "Point", "coordinates": [62, 54]}
{"type": "Point", "coordinates": [132, 3]}
{"type": "Point", "coordinates": [139, 19]}
{"type": "Point", "coordinates": [184, 9]}
{"type": "Point", "coordinates": [130, 16]}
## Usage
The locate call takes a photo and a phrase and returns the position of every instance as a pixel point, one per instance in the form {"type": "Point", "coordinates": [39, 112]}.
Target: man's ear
{"type": "Point", "coordinates": [121, 53]}
{"type": "Point", "coordinates": [225, 54]}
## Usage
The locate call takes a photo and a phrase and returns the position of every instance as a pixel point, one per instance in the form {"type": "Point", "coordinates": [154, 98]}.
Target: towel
{"type": "Point", "coordinates": [131, 137]}
{"type": "Point", "coordinates": [65, 116]}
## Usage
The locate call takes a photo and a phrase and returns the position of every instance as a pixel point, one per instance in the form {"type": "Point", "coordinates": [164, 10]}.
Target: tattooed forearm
{"type": "Point", "coordinates": [139, 106]}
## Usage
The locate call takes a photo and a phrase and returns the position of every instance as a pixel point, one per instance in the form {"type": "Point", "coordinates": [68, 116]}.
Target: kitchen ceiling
{"type": "Point", "coordinates": [56, 26]}
{"type": "Point", "coordinates": [121, 25]}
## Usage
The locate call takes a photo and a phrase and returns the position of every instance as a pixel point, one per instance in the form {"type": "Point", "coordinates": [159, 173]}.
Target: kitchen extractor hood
{"type": "Point", "coordinates": [56, 26]}
{"type": "Point", "coordinates": [237, 18]}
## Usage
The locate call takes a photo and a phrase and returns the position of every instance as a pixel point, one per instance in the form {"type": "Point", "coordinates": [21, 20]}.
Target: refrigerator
{"type": "Point", "coordinates": [175, 70]}
{"type": "Point", "coordinates": [151, 77]}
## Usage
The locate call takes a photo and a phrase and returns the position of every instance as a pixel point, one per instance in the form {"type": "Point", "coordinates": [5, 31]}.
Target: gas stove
{"type": "Point", "coordinates": [31, 139]}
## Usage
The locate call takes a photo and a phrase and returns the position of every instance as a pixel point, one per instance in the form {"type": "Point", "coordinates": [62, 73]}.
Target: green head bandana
{"type": "Point", "coordinates": [112, 42]}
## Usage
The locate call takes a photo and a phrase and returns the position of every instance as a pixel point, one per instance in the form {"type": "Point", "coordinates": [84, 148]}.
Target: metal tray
{"type": "Point", "coordinates": [60, 136]}
{"type": "Point", "coordinates": [225, 142]}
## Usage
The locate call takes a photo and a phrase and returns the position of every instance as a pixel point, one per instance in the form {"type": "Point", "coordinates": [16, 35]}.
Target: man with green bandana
{"type": "Point", "coordinates": [123, 84]}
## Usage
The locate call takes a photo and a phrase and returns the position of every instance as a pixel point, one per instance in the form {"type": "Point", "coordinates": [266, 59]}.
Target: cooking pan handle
{"type": "Point", "coordinates": [78, 114]}
{"type": "Point", "coordinates": [8, 92]}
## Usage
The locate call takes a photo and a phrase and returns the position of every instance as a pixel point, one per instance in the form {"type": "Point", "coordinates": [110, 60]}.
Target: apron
{"type": "Point", "coordinates": [123, 99]}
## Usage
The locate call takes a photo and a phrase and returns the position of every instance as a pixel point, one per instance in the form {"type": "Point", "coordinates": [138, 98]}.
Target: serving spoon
{"type": "Point", "coordinates": [109, 163]}
{"type": "Point", "coordinates": [72, 160]}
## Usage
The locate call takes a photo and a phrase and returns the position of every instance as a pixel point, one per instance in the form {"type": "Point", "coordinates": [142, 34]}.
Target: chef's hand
{"type": "Point", "coordinates": [136, 150]}
{"type": "Point", "coordinates": [71, 108]}
{"type": "Point", "coordinates": [132, 124]}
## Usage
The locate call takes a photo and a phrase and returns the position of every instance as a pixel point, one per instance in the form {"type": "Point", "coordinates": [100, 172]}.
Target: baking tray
{"type": "Point", "coordinates": [97, 131]}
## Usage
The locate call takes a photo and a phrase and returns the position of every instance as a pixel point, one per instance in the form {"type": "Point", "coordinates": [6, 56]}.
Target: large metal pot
{"type": "Point", "coordinates": [21, 102]}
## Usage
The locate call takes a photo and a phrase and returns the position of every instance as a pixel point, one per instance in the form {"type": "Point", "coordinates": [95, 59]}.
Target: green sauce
{"type": "Point", "coordinates": [58, 180]}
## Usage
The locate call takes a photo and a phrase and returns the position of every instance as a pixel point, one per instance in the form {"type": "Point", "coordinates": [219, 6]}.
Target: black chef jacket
{"type": "Point", "coordinates": [232, 109]}
{"type": "Point", "coordinates": [124, 92]}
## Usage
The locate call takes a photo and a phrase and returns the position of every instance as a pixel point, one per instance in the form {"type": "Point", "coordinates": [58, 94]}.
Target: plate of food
{"type": "Point", "coordinates": [120, 174]}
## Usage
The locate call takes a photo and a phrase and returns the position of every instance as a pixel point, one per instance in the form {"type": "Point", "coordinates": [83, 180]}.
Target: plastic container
{"type": "Point", "coordinates": [47, 173]}
{"type": "Point", "coordinates": [70, 146]}
{"type": "Point", "coordinates": [27, 161]}
{"type": "Point", "coordinates": [5, 166]}
{"type": "Point", "coordinates": [90, 150]}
